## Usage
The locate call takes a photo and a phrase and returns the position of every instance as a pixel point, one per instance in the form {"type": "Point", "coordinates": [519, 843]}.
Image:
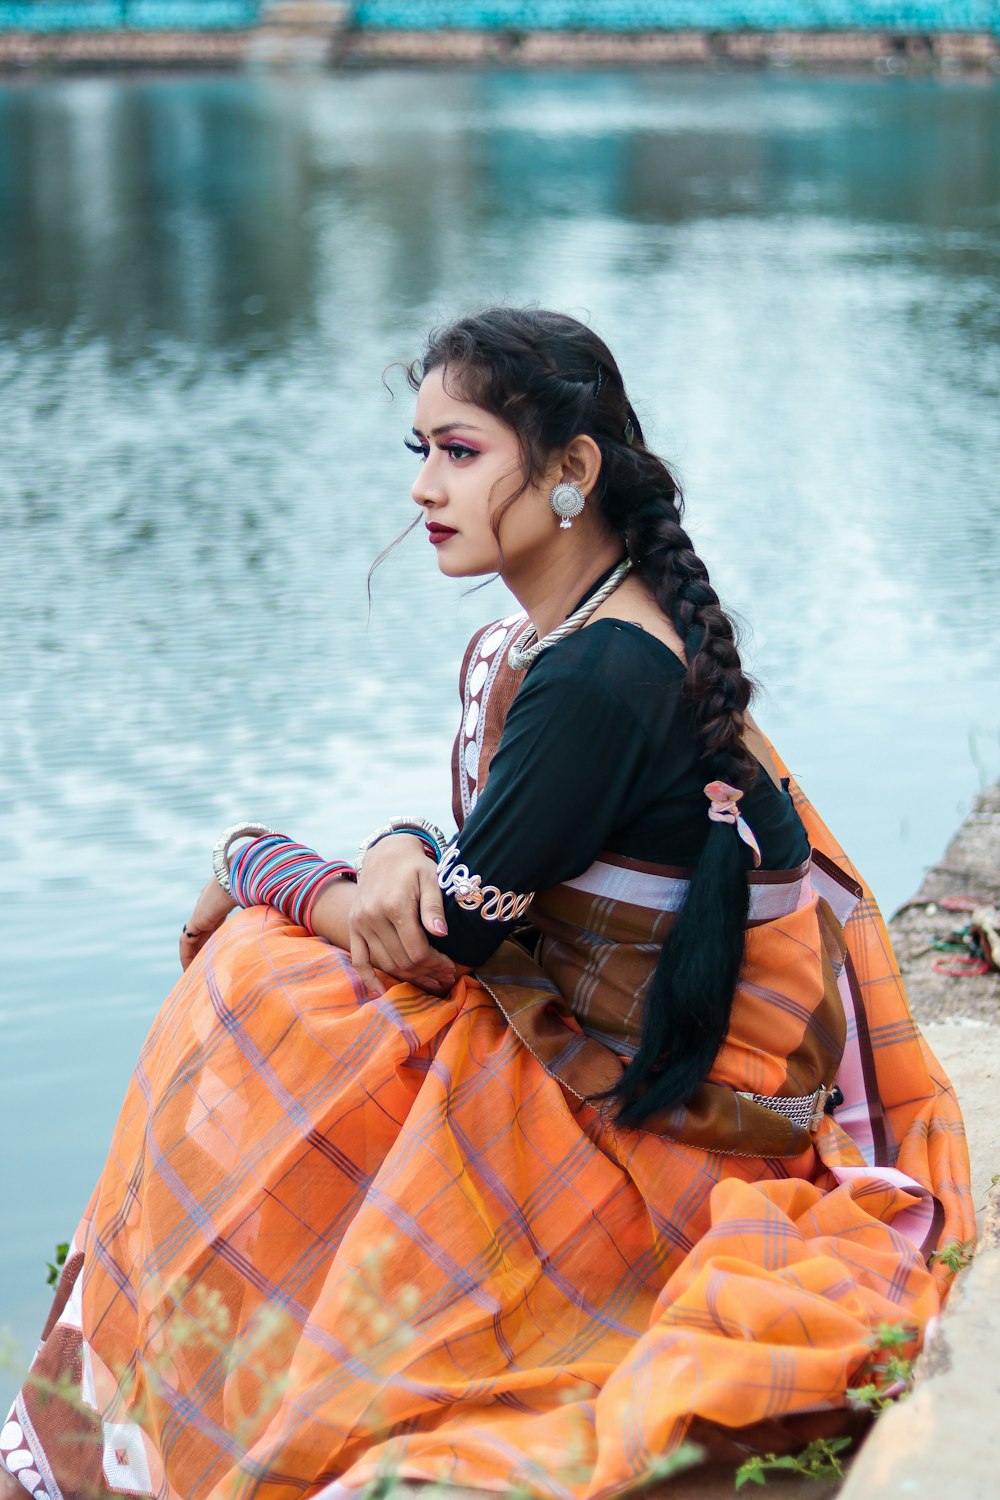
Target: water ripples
{"type": "Point", "coordinates": [200, 283]}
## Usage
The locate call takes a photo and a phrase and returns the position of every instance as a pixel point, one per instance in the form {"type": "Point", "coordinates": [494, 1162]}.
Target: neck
{"type": "Point", "coordinates": [549, 587]}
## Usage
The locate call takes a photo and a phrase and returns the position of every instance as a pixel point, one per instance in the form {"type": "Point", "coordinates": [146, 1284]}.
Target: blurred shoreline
{"type": "Point", "coordinates": [302, 34]}
{"type": "Point", "coordinates": [968, 872]}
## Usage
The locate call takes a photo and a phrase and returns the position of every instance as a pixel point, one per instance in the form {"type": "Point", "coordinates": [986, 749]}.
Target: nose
{"type": "Point", "coordinates": [426, 489]}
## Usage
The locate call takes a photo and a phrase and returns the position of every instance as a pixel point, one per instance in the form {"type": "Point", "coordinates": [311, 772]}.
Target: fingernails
{"type": "Point", "coordinates": [440, 926]}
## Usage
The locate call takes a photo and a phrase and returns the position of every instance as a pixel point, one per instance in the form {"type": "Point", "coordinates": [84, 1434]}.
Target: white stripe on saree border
{"type": "Point", "coordinates": [637, 887]}
{"type": "Point", "coordinates": [769, 898]}
{"type": "Point", "coordinates": [836, 892]}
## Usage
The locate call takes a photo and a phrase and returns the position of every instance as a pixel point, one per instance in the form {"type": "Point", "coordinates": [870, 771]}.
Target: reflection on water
{"type": "Point", "coordinates": [200, 283]}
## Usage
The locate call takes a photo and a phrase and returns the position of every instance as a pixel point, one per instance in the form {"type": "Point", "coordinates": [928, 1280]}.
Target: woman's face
{"type": "Point", "coordinates": [471, 463]}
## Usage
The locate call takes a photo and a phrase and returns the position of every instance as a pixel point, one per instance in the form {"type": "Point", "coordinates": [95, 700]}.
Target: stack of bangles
{"type": "Point", "coordinates": [273, 870]}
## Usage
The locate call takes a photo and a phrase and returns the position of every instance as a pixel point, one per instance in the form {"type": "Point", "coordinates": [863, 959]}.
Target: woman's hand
{"type": "Point", "coordinates": [396, 904]}
{"type": "Point", "coordinates": [210, 911]}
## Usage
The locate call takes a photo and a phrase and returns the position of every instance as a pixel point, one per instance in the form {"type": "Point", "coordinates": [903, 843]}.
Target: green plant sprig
{"type": "Point", "coordinates": [54, 1267]}
{"type": "Point", "coordinates": [956, 1255]}
{"type": "Point", "coordinates": [818, 1460]}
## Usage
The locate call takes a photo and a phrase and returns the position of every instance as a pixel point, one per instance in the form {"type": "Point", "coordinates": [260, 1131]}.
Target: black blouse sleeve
{"type": "Point", "coordinates": [571, 756]}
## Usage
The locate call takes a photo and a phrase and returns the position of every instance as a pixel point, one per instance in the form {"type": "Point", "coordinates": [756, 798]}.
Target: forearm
{"type": "Point", "coordinates": [331, 913]}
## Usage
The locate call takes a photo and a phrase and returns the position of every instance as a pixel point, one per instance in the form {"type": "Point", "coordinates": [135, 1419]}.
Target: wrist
{"type": "Point", "coordinates": [331, 913]}
{"type": "Point", "coordinates": [401, 851]}
{"type": "Point", "coordinates": [431, 838]}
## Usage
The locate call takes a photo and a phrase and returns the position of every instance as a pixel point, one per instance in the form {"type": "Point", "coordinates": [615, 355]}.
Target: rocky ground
{"type": "Point", "coordinates": [960, 1016]}
{"type": "Point", "coordinates": [969, 870]}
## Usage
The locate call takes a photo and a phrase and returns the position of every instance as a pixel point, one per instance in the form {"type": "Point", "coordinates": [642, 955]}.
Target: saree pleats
{"type": "Point", "coordinates": [339, 1237]}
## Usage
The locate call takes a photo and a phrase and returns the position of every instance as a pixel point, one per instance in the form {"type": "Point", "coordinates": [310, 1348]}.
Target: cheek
{"type": "Point", "coordinates": [528, 520]}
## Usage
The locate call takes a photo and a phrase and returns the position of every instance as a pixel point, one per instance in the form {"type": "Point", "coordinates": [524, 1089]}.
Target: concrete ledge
{"type": "Point", "coordinates": [316, 32]}
{"type": "Point", "coordinates": [70, 50]}
{"type": "Point", "coordinates": [883, 51]}
{"type": "Point", "coordinates": [945, 1438]}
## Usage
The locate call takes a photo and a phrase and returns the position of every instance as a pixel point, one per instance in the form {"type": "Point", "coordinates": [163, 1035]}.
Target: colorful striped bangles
{"type": "Point", "coordinates": [275, 871]}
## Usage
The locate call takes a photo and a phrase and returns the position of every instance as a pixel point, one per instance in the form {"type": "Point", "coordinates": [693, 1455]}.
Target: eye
{"type": "Point", "coordinates": [415, 447]}
{"type": "Point", "coordinates": [459, 451]}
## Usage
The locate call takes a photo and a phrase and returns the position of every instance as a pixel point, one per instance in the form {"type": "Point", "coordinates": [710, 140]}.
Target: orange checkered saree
{"type": "Point", "coordinates": [338, 1238]}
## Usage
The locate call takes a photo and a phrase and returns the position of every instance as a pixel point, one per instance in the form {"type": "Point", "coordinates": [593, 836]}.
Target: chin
{"type": "Point", "coordinates": [465, 567]}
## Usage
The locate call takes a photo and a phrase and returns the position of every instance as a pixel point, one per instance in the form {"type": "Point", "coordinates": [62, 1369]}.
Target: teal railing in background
{"type": "Point", "coordinates": [589, 15]}
{"type": "Point", "coordinates": [127, 15]}
{"type": "Point", "coordinates": [679, 15]}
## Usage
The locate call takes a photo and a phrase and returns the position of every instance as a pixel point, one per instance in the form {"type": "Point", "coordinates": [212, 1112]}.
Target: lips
{"type": "Point", "coordinates": [436, 533]}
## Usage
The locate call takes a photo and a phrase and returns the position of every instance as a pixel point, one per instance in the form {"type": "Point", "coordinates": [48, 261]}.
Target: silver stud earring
{"type": "Point", "coordinates": [567, 501]}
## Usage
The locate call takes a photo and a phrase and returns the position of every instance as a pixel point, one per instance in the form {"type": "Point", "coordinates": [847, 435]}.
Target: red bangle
{"type": "Point", "coordinates": [335, 871]}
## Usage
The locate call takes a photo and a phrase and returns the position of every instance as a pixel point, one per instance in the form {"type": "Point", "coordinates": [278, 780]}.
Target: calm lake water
{"type": "Point", "coordinates": [201, 281]}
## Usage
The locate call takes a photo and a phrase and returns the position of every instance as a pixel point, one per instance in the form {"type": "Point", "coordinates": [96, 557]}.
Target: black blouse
{"type": "Point", "coordinates": [598, 753]}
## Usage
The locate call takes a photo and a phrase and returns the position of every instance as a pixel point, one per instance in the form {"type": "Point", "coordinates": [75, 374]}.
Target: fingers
{"type": "Point", "coordinates": [435, 981]}
{"type": "Point", "coordinates": [391, 929]}
{"type": "Point", "coordinates": [191, 944]}
{"type": "Point", "coordinates": [210, 911]}
{"type": "Point", "coordinates": [431, 903]}
{"type": "Point", "coordinates": [387, 950]}
{"type": "Point", "coordinates": [411, 939]}
{"type": "Point", "coordinates": [412, 920]}
{"type": "Point", "coordinates": [406, 953]}
{"type": "Point", "coordinates": [371, 959]}
{"type": "Point", "coordinates": [397, 905]}
{"type": "Point", "coordinates": [361, 959]}
{"type": "Point", "coordinates": [371, 952]}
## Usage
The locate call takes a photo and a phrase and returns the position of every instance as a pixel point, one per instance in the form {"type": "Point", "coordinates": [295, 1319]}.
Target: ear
{"type": "Point", "coordinates": [582, 463]}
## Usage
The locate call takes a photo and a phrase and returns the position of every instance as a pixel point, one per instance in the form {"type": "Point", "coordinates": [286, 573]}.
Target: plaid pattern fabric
{"type": "Point", "coordinates": [337, 1237]}
{"type": "Point", "coordinates": [576, 1004]}
{"type": "Point", "coordinates": [900, 1112]}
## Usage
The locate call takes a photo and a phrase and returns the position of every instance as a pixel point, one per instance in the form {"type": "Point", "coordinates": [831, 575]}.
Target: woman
{"type": "Point", "coordinates": [602, 1127]}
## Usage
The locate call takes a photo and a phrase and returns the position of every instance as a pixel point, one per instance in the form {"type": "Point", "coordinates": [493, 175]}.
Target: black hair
{"type": "Point", "coordinates": [551, 378]}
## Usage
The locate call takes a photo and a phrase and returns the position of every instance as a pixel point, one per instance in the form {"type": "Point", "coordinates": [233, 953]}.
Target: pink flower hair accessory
{"type": "Point", "coordinates": [724, 807]}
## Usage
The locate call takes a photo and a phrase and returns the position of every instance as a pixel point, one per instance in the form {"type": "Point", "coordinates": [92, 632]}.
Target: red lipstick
{"type": "Point", "coordinates": [437, 533]}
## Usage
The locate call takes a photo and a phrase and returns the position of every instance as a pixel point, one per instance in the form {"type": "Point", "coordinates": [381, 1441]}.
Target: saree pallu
{"type": "Point", "coordinates": [340, 1238]}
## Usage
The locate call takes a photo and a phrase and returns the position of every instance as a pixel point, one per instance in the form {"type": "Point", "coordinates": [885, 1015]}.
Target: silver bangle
{"type": "Point", "coordinates": [429, 833]}
{"type": "Point", "coordinates": [225, 841]}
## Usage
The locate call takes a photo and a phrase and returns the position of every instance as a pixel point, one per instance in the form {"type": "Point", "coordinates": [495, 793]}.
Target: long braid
{"type": "Point", "coordinates": [549, 378]}
{"type": "Point", "coordinates": [689, 1000]}
{"type": "Point", "coordinates": [715, 684]}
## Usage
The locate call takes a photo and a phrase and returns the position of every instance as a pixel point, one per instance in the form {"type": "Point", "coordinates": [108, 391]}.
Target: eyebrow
{"type": "Point", "coordinates": [448, 427]}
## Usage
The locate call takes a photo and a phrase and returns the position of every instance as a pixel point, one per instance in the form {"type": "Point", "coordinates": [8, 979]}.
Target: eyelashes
{"type": "Point", "coordinates": [454, 450]}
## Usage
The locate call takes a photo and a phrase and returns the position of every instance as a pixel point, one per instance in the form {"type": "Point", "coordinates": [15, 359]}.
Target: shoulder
{"type": "Point", "coordinates": [615, 654]}
{"type": "Point", "coordinates": [610, 675]}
